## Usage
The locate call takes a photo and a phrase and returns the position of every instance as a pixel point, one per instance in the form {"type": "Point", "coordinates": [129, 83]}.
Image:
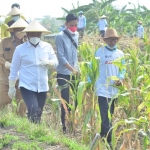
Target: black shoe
{"type": "Point", "coordinates": [64, 130]}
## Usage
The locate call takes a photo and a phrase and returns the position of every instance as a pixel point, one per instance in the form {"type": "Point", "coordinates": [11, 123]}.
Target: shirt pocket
{"type": "Point", "coordinates": [7, 53]}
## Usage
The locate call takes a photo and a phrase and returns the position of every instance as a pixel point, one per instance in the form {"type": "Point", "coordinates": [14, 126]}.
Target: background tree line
{"type": "Point", "coordinates": [124, 20]}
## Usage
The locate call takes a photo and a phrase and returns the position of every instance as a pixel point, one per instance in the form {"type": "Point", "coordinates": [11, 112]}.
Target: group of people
{"type": "Point", "coordinates": [25, 59]}
{"type": "Point", "coordinates": [102, 25]}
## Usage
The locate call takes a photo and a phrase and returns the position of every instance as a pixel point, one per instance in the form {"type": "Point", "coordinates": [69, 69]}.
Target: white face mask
{"type": "Point", "coordinates": [34, 40]}
{"type": "Point", "coordinates": [15, 18]}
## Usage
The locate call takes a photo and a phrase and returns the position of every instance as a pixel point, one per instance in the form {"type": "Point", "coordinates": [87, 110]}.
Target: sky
{"type": "Point", "coordinates": [38, 8]}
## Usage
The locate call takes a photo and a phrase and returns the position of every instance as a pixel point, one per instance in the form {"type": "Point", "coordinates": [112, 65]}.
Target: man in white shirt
{"type": "Point", "coordinates": [104, 87]}
{"type": "Point", "coordinates": [81, 23]}
{"type": "Point", "coordinates": [140, 30]}
{"type": "Point", "coordinates": [32, 60]}
{"type": "Point", "coordinates": [102, 24]}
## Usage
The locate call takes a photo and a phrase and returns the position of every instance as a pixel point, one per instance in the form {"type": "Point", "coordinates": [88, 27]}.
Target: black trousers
{"type": "Point", "coordinates": [65, 92]}
{"type": "Point", "coordinates": [35, 102]}
{"type": "Point", "coordinates": [81, 32]}
{"type": "Point", "coordinates": [102, 33]}
{"type": "Point", "coordinates": [106, 124]}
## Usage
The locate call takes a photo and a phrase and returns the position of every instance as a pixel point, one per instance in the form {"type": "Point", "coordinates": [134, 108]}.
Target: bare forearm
{"type": "Point", "coordinates": [68, 66]}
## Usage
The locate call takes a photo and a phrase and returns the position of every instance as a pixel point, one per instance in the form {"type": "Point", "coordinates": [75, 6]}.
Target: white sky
{"type": "Point", "coordinates": [39, 8]}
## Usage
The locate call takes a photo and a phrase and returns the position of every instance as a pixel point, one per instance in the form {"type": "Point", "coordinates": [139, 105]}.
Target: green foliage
{"type": "Point", "coordinates": [124, 20]}
{"type": "Point", "coordinates": [26, 146]}
{"type": "Point", "coordinates": [34, 134]}
{"type": "Point", "coordinates": [37, 132]}
{"type": "Point", "coordinates": [49, 139]}
{"type": "Point", "coordinates": [6, 140]}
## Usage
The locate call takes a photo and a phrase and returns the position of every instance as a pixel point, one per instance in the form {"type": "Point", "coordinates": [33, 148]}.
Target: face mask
{"type": "Point", "coordinates": [34, 40]}
{"type": "Point", "coordinates": [15, 18]}
{"type": "Point", "coordinates": [114, 47]}
{"type": "Point", "coordinates": [20, 35]}
{"type": "Point", "coordinates": [72, 30]}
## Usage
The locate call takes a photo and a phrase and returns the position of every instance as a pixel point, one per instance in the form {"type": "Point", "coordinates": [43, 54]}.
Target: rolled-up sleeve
{"type": "Point", "coordinates": [60, 50]}
{"type": "Point", "coordinates": [15, 65]}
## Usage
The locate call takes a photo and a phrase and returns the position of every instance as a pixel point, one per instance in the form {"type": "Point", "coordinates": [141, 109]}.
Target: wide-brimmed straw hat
{"type": "Point", "coordinates": [139, 22]}
{"type": "Point", "coordinates": [35, 26]}
{"type": "Point", "coordinates": [110, 33]}
{"type": "Point", "coordinates": [20, 23]}
{"type": "Point", "coordinates": [103, 16]}
{"type": "Point", "coordinates": [14, 11]}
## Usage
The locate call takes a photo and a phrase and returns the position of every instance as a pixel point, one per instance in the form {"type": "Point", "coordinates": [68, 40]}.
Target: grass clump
{"type": "Point", "coordinates": [6, 140]}
{"type": "Point", "coordinates": [35, 136]}
{"type": "Point", "coordinates": [26, 146]}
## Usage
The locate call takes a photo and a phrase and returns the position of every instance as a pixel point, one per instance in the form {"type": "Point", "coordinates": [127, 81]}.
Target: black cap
{"type": "Point", "coordinates": [15, 5]}
{"type": "Point", "coordinates": [71, 17]}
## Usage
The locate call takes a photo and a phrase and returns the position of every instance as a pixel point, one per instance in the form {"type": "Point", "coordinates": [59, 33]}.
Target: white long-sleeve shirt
{"type": "Point", "coordinates": [106, 70]}
{"type": "Point", "coordinates": [140, 31]}
{"type": "Point", "coordinates": [26, 61]}
{"type": "Point", "coordinates": [102, 24]}
{"type": "Point", "coordinates": [81, 22]}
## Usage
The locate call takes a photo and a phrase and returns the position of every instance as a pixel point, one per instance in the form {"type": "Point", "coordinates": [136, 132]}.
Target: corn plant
{"type": "Point", "coordinates": [134, 99]}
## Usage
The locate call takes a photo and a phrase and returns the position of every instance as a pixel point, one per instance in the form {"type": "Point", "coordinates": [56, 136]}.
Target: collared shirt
{"type": "Point", "coordinates": [106, 70]}
{"type": "Point", "coordinates": [3, 30]}
{"type": "Point", "coordinates": [81, 22]}
{"type": "Point", "coordinates": [140, 31]}
{"type": "Point", "coordinates": [66, 52]}
{"type": "Point", "coordinates": [102, 24]}
{"type": "Point", "coordinates": [26, 62]}
{"type": "Point", "coordinates": [7, 48]}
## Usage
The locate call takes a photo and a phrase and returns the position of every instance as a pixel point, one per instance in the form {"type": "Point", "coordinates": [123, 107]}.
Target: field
{"type": "Point", "coordinates": [130, 121]}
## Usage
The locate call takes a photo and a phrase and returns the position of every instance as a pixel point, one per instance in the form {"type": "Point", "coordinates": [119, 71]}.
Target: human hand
{"type": "Point", "coordinates": [12, 92]}
{"type": "Point", "coordinates": [7, 65]}
{"type": "Point", "coordinates": [12, 89]}
{"type": "Point", "coordinates": [118, 82]}
{"type": "Point", "coordinates": [46, 63]}
{"type": "Point", "coordinates": [75, 72]}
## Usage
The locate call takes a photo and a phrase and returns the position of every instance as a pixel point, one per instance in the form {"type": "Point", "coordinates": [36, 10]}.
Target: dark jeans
{"type": "Point", "coordinates": [102, 33]}
{"type": "Point", "coordinates": [81, 32]}
{"type": "Point", "coordinates": [35, 102]}
{"type": "Point", "coordinates": [65, 92]}
{"type": "Point", "coordinates": [106, 124]}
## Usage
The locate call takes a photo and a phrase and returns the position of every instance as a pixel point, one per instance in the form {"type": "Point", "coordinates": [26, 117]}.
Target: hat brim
{"type": "Point", "coordinates": [119, 37]}
{"type": "Point", "coordinates": [43, 32]}
{"type": "Point", "coordinates": [104, 17]}
{"type": "Point", "coordinates": [139, 22]}
{"type": "Point", "coordinates": [12, 29]}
